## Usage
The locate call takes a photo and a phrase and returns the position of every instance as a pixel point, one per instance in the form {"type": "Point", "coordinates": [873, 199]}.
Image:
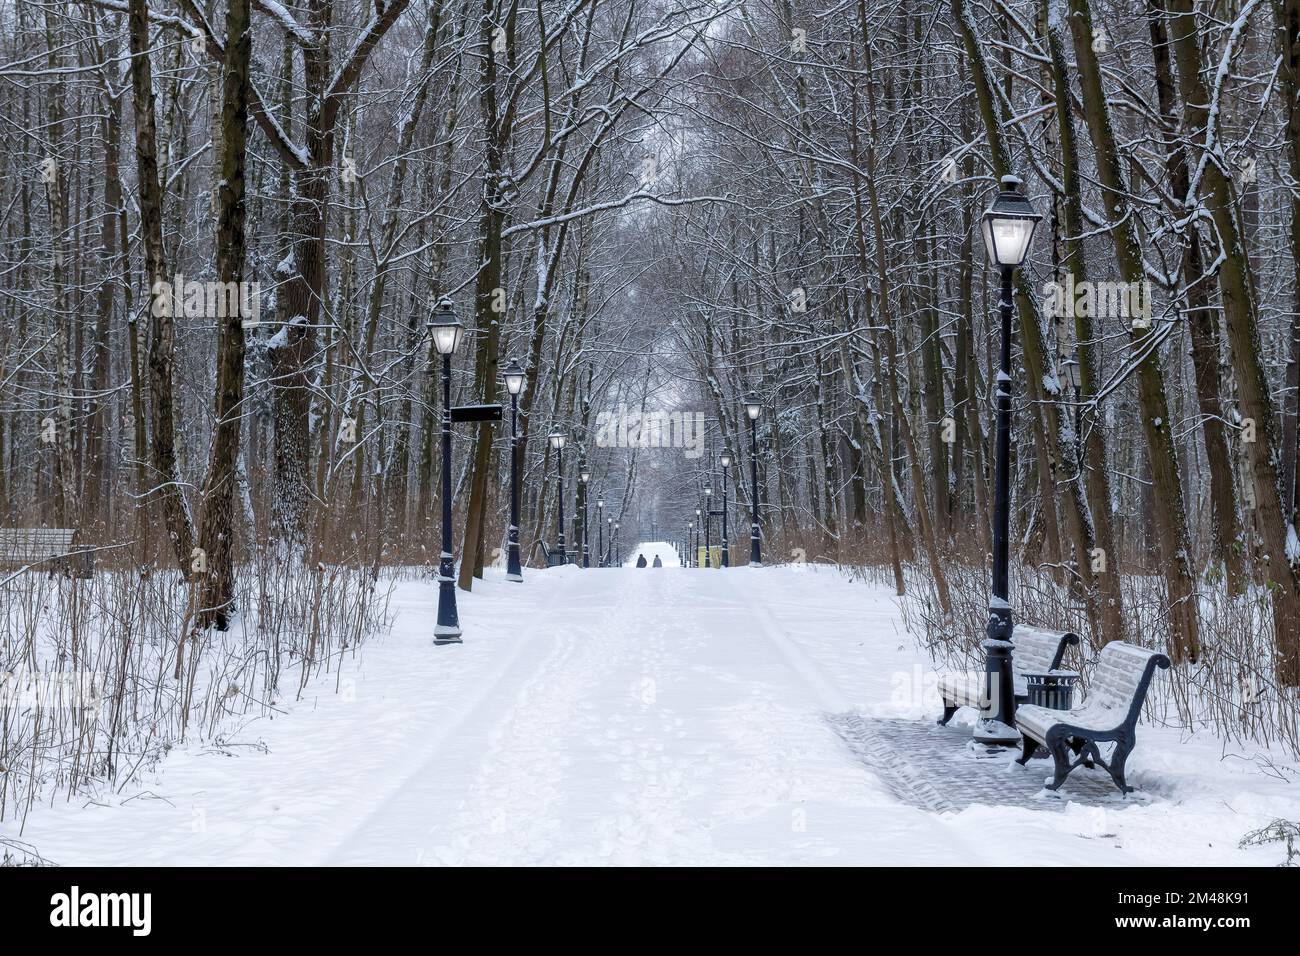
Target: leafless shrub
{"type": "Point", "coordinates": [101, 677]}
{"type": "Point", "coordinates": [1279, 831]}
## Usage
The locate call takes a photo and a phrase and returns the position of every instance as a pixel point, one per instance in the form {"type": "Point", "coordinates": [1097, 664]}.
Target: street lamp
{"type": "Point", "coordinates": [708, 526]}
{"type": "Point", "coordinates": [584, 476]}
{"type": "Point", "coordinates": [447, 331]}
{"type": "Point", "coordinates": [695, 548]}
{"type": "Point", "coordinates": [600, 531]}
{"type": "Point", "coordinates": [1008, 227]}
{"type": "Point", "coordinates": [513, 375]}
{"type": "Point", "coordinates": [753, 406]}
{"type": "Point", "coordinates": [608, 556]}
{"type": "Point", "coordinates": [618, 555]}
{"type": "Point", "coordinates": [557, 439]}
{"type": "Point", "coordinates": [725, 460]}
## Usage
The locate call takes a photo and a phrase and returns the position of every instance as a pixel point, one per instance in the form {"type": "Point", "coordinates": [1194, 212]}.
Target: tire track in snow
{"type": "Point", "coordinates": [512, 807]}
{"type": "Point", "coordinates": [543, 792]}
{"type": "Point", "coordinates": [496, 790]}
{"type": "Point", "coordinates": [516, 664]}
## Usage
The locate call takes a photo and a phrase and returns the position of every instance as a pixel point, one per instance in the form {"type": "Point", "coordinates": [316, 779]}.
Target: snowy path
{"type": "Point", "coordinates": [616, 716]}
{"type": "Point", "coordinates": [629, 731]}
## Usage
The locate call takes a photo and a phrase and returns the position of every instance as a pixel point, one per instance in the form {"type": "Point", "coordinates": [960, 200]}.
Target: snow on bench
{"type": "Point", "coordinates": [1037, 651]}
{"type": "Point", "coordinates": [1110, 713]}
{"type": "Point", "coordinates": [52, 549]}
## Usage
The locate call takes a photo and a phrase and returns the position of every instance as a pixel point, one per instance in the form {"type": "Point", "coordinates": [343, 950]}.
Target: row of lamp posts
{"type": "Point", "coordinates": [703, 515]}
{"type": "Point", "coordinates": [582, 518]}
{"type": "Point", "coordinates": [448, 332]}
{"type": "Point", "coordinates": [1007, 227]}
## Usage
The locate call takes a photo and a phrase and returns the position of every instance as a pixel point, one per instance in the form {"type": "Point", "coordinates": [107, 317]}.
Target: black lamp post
{"type": "Point", "coordinates": [618, 553]}
{"type": "Point", "coordinates": [725, 461]}
{"type": "Point", "coordinates": [558, 438]}
{"type": "Point", "coordinates": [696, 547]}
{"type": "Point", "coordinates": [609, 555]}
{"type": "Point", "coordinates": [514, 379]}
{"type": "Point", "coordinates": [708, 526]}
{"type": "Point", "coordinates": [447, 332]}
{"type": "Point", "coordinates": [584, 476]}
{"type": "Point", "coordinates": [600, 531]}
{"type": "Point", "coordinates": [1008, 227]}
{"type": "Point", "coordinates": [753, 406]}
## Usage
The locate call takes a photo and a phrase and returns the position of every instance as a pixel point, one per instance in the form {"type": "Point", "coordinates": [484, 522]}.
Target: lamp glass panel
{"type": "Point", "coordinates": [446, 338]}
{"type": "Point", "coordinates": [1009, 239]}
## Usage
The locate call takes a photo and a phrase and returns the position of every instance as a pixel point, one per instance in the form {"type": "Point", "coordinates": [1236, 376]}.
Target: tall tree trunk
{"type": "Point", "coordinates": [57, 197]}
{"type": "Point", "coordinates": [1170, 515]}
{"type": "Point", "coordinates": [293, 350]}
{"type": "Point", "coordinates": [216, 517]}
{"type": "Point", "coordinates": [1236, 286]}
{"type": "Point", "coordinates": [1287, 14]}
{"type": "Point", "coordinates": [96, 491]}
{"type": "Point", "coordinates": [884, 462]}
{"type": "Point", "coordinates": [166, 477]}
{"type": "Point", "coordinates": [487, 319]}
{"type": "Point", "coordinates": [1105, 572]}
{"type": "Point", "coordinates": [886, 337]}
{"type": "Point", "coordinates": [1202, 321]}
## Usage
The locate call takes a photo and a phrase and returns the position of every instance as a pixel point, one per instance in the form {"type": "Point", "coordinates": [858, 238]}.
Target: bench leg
{"type": "Point", "coordinates": [1028, 747]}
{"type": "Point", "coordinates": [948, 711]}
{"type": "Point", "coordinates": [1061, 766]}
{"type": "Point", "coordinates": [1116, 767]}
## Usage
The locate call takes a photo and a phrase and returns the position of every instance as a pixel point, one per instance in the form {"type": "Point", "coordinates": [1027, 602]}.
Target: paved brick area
{"type": "Point", "coordinates": [940, 769]}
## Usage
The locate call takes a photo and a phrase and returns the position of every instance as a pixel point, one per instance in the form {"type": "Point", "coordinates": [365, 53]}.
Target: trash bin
{"type": "Point", "coordinates": [1054, 690]}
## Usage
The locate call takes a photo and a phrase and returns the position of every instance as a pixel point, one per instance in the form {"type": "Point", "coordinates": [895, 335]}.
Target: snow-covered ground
{"type": "Point", "coordinates": [625, 716]}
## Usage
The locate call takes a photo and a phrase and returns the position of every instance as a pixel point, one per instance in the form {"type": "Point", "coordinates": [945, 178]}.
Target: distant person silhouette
{"type": "Point", "coordinates": [640, 560]}
{"type": "Point", "coordinates": [658, 563]}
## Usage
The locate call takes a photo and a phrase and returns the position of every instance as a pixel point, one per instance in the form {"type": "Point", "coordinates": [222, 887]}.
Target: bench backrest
{"type": "Point", "coordinates": [1038, 651]}
{"type": "Point", "coordinates": [25, 545]}
{"type": "Point", "coordinates": [1121, 679]}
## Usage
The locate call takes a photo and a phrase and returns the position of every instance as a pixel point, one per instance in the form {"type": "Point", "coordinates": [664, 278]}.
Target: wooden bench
{"type": "Point", "coordinates": [1036, 652]}
{"type": "Point", "coordinates": [1110, 713]}
{"type": "Point", "coordinates": [46, 549]}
